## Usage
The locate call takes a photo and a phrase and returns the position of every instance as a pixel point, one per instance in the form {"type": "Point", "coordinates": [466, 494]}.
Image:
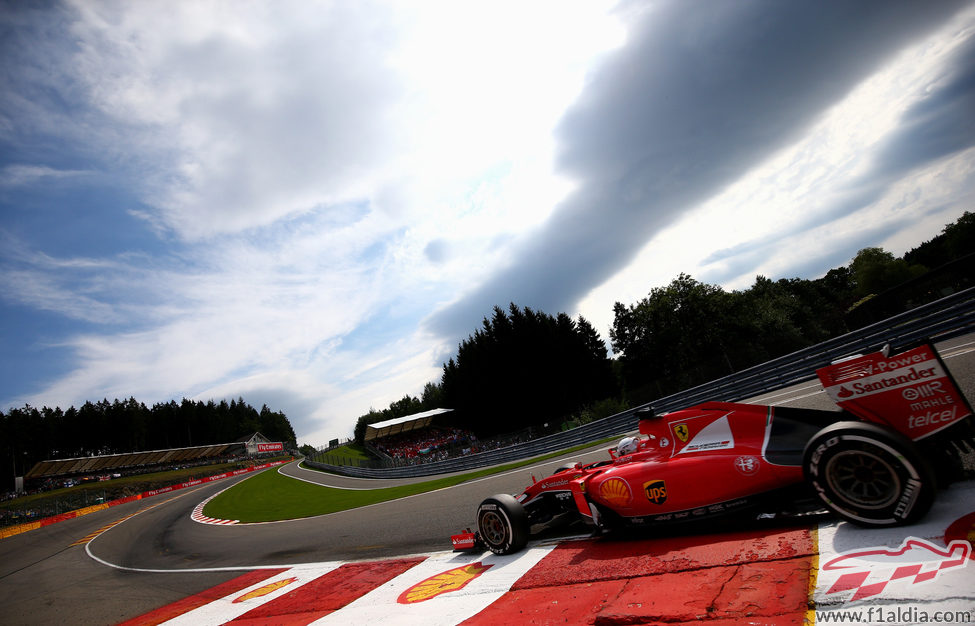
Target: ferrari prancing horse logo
{"type": "Point", "coordinates": [681, 431]}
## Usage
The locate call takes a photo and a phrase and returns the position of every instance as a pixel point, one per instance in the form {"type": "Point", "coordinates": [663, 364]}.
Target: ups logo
{"type": "Point", "coordinates": [656, 491]}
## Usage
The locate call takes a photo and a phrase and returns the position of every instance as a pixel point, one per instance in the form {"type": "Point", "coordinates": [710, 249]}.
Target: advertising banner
{"type": "Point", "coordinates": [270, 447]}
{"type": "Point", "coordinates": [910, 391]}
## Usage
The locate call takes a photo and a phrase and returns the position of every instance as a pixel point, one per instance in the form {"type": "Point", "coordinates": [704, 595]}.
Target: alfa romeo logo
{"type": "Point", "coordinates": [747, 465]}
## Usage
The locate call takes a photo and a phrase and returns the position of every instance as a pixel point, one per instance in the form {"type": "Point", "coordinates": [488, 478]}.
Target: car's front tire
{"type": "Point", "coordinates": [503, 524]}
{"type": "Point", "coordinates": [868, 474]}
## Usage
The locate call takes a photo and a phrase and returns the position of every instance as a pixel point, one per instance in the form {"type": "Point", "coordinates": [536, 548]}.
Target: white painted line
{"type": "Point", "coordinates": [239, 602]}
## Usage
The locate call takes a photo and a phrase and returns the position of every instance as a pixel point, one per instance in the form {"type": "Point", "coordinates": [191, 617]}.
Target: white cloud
{"type": "Point", "coordinates": [244, 117]}
{"type": "Point", "coordinates": [325, 174]}
{"type": "Point", "coordinates": [22, 175]}
{"type": "Point", "coordinates": [752, 227]}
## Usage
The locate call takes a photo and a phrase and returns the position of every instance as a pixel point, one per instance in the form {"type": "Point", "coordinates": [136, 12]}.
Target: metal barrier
{"type": "Point", "coordinates": [940, 320]}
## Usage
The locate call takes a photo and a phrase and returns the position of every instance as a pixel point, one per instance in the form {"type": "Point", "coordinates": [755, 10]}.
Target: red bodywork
{"type": "Point", "coordinates": [911, 392]}
{"type": "Point", "coordinates": [705, 460]}
{"type": "Point", "coordinates": [717, 457]}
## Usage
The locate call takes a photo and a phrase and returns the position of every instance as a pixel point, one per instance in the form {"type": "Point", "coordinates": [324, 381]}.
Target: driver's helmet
{"type": "Point", "coordinates": [627, 445]}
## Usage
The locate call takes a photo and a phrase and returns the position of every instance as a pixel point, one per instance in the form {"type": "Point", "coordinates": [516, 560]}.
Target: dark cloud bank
{"type": "Point", "coordinates": [701, 93]}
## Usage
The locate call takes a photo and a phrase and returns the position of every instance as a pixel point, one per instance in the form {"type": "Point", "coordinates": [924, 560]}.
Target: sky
{"type": "Point", "coordinates": [309, 205]}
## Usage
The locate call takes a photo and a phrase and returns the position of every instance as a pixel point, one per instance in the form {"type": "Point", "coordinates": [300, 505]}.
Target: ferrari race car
{"type": "Point", "coordinates": [876, 462]}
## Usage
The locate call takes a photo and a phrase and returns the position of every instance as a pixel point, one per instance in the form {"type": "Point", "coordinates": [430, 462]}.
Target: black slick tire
{"type": "Point", "coordinates": [868, 474]}
{"type": "Point", "coordinates": [502, 524]}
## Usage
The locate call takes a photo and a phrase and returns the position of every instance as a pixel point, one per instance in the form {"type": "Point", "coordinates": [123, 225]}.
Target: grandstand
{"type": "Point", "coordinates": [250, 445]}
{"type": "Point", "coordinates": [415, 438]}
{"type": "Point", "coordinates": [405, 424]}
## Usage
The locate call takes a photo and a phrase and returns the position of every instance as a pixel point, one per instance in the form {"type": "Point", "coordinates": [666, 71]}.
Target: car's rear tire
{"type": "Point", "coordinates": [503, 524]}
{"type": "Point", "coordinates": [868, 474]}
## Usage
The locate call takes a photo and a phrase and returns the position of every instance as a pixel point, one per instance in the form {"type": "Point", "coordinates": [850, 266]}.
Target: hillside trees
{"type": "Point", "coordinates": [525, 368]}
{"type": "Point", "coordinates": [955, 241]}
{"type": "Point", "coordinates": [876, 270]}
{"type": "Point", "coordinates": [29, 435]}
{"type": "Point", "coordinates": [689, 332]}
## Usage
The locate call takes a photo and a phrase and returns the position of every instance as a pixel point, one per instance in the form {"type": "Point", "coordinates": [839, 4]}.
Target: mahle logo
{"type": "Point", "coordinates": [656, 491]}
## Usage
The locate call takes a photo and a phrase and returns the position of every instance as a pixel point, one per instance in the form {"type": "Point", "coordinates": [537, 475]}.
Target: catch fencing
{"type": "Point", "coordinates": [943, 319]}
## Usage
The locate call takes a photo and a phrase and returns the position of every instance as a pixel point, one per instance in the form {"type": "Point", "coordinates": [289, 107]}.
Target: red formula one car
{"type": "Point", "coordinates": [876, 462]}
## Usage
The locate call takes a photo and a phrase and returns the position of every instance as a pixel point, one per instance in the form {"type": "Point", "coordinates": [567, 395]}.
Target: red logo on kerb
{"type": "Point", "coordinates": [916, 559]}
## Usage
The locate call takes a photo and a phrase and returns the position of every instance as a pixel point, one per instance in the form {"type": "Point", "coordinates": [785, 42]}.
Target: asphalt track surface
{"type": "Point", "coordinates": [150, 552]}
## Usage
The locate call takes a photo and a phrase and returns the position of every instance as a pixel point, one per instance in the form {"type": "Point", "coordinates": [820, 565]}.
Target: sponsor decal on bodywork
{"type": "Point", "coordinates": [556, 483]}
{"type": "Point", "coordinates": [747, 465]}
{"type": "Point", "coordinates": [656, 491]}
{"type": "Point", "coordinates": [910, 391]}
{"type": "Point", "coordinates": [681, 432]}
{"type": "Point", "coordinates": [715, 436]}
{"type": "Point", "coordinates": [616, 492]}
{"type": "Point", "coordinates": [463, 541]}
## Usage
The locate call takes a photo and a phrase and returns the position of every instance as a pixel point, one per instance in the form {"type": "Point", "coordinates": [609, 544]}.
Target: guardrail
{"type": "Point", "coordinates": [949, 317]}
{"type": "Point", "coordinates": [940, 320]}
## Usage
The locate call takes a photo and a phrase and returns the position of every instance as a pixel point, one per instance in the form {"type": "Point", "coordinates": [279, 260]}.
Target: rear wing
{"type": "Point", "coordinates": [912, 391]}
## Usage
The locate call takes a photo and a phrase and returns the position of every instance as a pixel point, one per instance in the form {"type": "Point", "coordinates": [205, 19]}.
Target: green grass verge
{"type": "Point", "coordinates": [349, 454]}
{"type": "Point", "coordinates": [38, 505]}
{"type": "Point", "coordinates": [269, 496]}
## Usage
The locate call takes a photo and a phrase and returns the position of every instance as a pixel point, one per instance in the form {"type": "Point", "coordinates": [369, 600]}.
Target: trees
{"type": "Point", "coordinates": [29, 435]}
{"type": "Point", "coordinates": [875, 270]}
{"type": "Point", "coordinates": [525, 368]}
{"type": "Point", "coordinates": [673, 337]}
{"type": "Point", "coordinates": [689, 332]}
{"type": "Point", "coordinates": [955, 241]}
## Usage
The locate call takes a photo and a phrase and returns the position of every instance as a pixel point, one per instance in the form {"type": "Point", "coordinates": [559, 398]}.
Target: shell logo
{"type": "Point", "coordinates": [451, 580]}
{"type": "Point", "coordinates": [266, 589]}
{"type": "Point", "coordinates": [616, 492]}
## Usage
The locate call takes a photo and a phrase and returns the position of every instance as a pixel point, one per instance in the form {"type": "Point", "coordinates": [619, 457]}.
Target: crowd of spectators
{"type": "Point", "coordinates": [426, 443]}
{"type": "Point", "coordinates": [438, 444]}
